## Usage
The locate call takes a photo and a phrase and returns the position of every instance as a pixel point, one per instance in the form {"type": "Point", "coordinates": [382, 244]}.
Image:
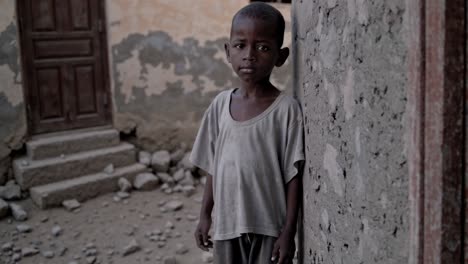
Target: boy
{"type": "Point", "coordinates": [251, 143]}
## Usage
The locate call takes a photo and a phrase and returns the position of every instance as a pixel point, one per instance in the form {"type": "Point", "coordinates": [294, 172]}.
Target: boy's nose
{"type": "Point", "coordinates": [249, 54]}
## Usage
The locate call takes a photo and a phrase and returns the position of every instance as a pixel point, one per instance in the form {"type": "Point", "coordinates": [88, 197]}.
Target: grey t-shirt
{"type": "Point", "coordinates": [251, 162]}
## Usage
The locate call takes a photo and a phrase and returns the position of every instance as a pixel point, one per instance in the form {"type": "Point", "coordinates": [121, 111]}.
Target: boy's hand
{"type": "Point", "coordinates": [284, 248]}
{"type": "Point", "coordinates": [201, 234]}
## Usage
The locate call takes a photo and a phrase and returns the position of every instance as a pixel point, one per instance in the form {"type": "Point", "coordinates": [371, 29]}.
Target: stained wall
{"type": "Point", "coordinates": [350, 70]}
{"type": "Point", "coordinates": [167, 64]}
{"type": "Point", "coordinates": [12, 109]}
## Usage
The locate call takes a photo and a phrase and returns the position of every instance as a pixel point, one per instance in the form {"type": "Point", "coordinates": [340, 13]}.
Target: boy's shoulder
{"type": "Point", "coordinates": [290, 103]}
{"type": "Point", "coordinates": [219, 100]}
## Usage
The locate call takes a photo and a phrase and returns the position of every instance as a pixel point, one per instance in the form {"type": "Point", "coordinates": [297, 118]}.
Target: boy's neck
{"type": "Point", "coordinates": [258, 90]}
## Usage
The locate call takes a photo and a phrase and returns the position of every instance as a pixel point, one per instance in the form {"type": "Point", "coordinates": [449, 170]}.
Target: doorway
{"type": "Point", "coordinates": [65, 69]}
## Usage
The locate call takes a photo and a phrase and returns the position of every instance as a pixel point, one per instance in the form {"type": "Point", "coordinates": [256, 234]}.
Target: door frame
{"type": "Point", "coordinates": [437, 146]}
{"type": "Point", "coordinates": [27, 71]}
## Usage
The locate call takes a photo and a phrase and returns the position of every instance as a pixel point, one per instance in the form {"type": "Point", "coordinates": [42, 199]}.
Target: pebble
{"type": "Point", "coordinates": [18, 212]}
{"type": "Point", "coordinates": [27, 251]}
{"type": "Point", "coordinates": [170, 260]}
{"type": "Point", "coordinates": [144, 158]}
{"type": "Point", "coordinates": [160, 161]}
{"type": "Point", "coordinates": [48, 254]}
{"type": "Point", "coordinates": [174, 205]}
{"type": "Point", "coordinates": [188, 190]}
{"type": "Point", "coordinates": [11, 191]}
{"type": "Point", "coordinates": [91, 260]}
{"type": "Point", "coordinates": [181, 249]}
{"type": "Point", "coordinates": [71, 205]}
{"type": "Point", "coordinates": [146, 181]}
{"type": "Point", "coordinates": [23, 228]}
{"type": "Point", "coordinates": [169, 225]}
{"type": "Point", "coordinates": [123, 195]}
{"type": "Point", "coordinates": [109, 169]}
{"type": "Point", "coordinates": [44, 219]}
{"type": "Point", "coordinates": [207, 257]}
{"type": "Point", "coordinates": [16, 257]}
{"type": "Point", "coordinates": [131, 248]}
{"type": "Point", "coordinates": [56, 231]}
{"type": "Point", "coordinates": [124, 185]}
{"type": "Point", "coordinates": [191, 217]}
{"type": "Point", "coordinates": [166, 178]}
{"type": "Point", "coordinates": [7, 247]}
{"type": "Point", "coordinates": [179, 175]}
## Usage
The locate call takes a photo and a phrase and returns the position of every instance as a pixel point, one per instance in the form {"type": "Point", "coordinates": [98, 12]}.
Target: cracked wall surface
{"type": "Point", "coordinates": [12, 112]}
{"type": "Point", "coordinates": [350, 61]}
{"type": "Point", "coordinates": [168, 62]}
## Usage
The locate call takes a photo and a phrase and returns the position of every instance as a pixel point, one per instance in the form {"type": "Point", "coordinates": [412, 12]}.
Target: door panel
{"type": "Point", "coordinates": [63, 42]}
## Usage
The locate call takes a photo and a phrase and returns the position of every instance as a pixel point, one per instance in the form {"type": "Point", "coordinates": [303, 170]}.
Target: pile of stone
{"type": "Point", "coordinates": [9, 193]}
{"type": "Point", "coordinates": [172, 172]}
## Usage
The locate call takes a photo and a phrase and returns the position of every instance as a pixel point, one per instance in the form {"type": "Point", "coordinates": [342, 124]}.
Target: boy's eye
{"type": "Point", "coordinates": [263, 48]}
{"type": "Point", "coordinates": [238, 46]}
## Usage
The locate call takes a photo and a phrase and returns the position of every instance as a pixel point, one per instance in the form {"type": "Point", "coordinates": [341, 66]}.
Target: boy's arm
{"type": "Point", "coordinates": [201, 233]}
{"type": "Point", "coordinates": [284, 248]}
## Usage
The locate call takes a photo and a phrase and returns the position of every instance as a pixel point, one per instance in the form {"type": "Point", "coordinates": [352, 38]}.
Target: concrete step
{"type": "Point", "coordinates": [83, 188]}
{"type": "Point", "coordinates": [39, 172]}
{"type": "Point", "coordinates": [54, 145]}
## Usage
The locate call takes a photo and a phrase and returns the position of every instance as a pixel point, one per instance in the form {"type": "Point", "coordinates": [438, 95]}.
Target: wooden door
{"type": "Point", "coordinates": [64, 64]}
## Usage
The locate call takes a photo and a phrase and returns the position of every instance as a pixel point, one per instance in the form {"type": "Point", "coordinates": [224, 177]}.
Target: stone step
{"type": "Point", "coordinates": [83, 188]}
{"type": "Point", "coordinates": [39, 172]}
{"type": "Point", "coordinates": [57, 144]}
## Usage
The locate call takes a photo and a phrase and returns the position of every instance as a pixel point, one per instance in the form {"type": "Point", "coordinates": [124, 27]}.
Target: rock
{"type": "Point", "coordinates": [188, 190]}
{"type": "Point", "coordinates": [4, 209]}
{"type": "Point", "coordinates": [203, 180]}
{"type": "Point", "coordinates": [131, 248]}
{"type": "Point", "coordinates": [188, 179]}
{"type": "Point", "coordinates": [144, 158]}
{"type": "Point", "coordinates": [169, 225]}
{"type": "Point", "coordinates": [166, 178]}
{"type": "Point", "coordinates": [174, 205]}
{"type": "Point", "coordinates": [207, 257]}
{"type": "Point", "coordinates": [10, 191]}
{"type": "Point", "coordinates": [109, 169]}
{"type": "Point", "coordinates": [177, 188]}
{"type": "Point", "coordinates": [56, 230]}
{"type": "Point", "coordinates": [16, 257]}
{"type": "Point", "coordinates": [177, 156]}
{"type": "Point", "coordinates": [170, 260]}
{"type": "Point", "coordinates": [179, 175]}
{"type": "Point", "coordinates": [7, 247]}
{"type": "Point", "coordinates": [23, 228]}
{"type": "Point", "coordinates": [62, 250]}
{"type": "Point", "coordinates": [181, 249]}
{"type": "Point", "coordinates": [91, 260]}
{"type": "Point", "coordinates": [185, 162]}
{"type": "Point", "coordinates": [146, 181]}
{"type": "Point", "coordinates": [48, 254]}
{"type": "Point", "coordinates": [73, 262]}
{"type": "Point", "coordinates": [191, 217]}
{"type": "Point", "coordinates": [124, 185]}
{"type": "Point", "coordinates": [18, 212]}
{"type": "Point", "coordinates": [71, 205]}
{"type": "Point", "coordinates": [123, 195]}
{"type": "Point", "coordinates": [160, 161]}
{"type": "Point", "coordinates": [28, 251]}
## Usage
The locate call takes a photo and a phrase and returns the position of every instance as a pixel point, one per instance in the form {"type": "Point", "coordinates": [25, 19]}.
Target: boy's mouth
{"type": "Point", "coordinates": [246, 69]}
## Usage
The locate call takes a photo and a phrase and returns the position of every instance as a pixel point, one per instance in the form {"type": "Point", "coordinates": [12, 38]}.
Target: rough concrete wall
{"type": "Point", "coordinates": [350, 61]}
{"type": "Point", "coordinates": [12, 112]}
{"type": "Point", "coordinates": [167, 64]}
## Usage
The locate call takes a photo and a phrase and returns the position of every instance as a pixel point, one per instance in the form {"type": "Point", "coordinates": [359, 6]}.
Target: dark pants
{"type": "Point", "coordinates": [246, 249]}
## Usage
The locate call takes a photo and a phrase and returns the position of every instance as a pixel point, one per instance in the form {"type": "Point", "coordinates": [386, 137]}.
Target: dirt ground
{"type": "Point", "coordinates": [101, 228]}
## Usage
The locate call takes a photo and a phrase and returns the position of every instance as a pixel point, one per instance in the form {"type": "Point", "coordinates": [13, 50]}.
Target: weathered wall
{"type": "Point", "coordinates": [167, 64]}
{"type": "Point", "coordinates": [350, 59]}
{"type": "Point", "coordinates": [12, 112]}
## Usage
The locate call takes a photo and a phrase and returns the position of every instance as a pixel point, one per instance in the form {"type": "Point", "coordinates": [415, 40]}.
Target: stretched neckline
{"type": "Point", "coordinates": [255, 118]}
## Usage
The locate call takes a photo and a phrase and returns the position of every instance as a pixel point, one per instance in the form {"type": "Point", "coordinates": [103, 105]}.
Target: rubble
{"type": "Point", "coordinates": [170, 260]}
{"type": "Point", "coordinates": [185, 163]}
{"type": "Point", "coordinates": [160, 161]}
{"type": "Point", "coordinates": [29, 251]}
{"type": "Point", "coordinates": [124, 185]}
{"type": "Point", "coordinates": [109, 169]}
{"type": "Point", "coordinates": [181, 249]}
{"type": "Point", "coordinates": [131, 248]}
{"type": "Point", "coordinates": [56, 230]}
{"type": "Point", "coordinates": [174, 205]}
{"type": "Point", "coordinates": [177, 156]}
{"type": "Point", "coordinates": [144, 158]}
{"type": "Point", "coordinates": [11, 191]}
{"type": "Point", "coordinates": [71, 205]}
{"type": "Point", "coordinates": [23, 228]}
{"type": "Point", "coordinates": [18, 212]}
{"type": "Point", "coordinates": [146, 181]}
{"type": "Point", "coordinates": [166, 178]}
{"type": "Point", "coordinates": [4, 209]}
{"type": "Point", "coordinates": [179, 175]}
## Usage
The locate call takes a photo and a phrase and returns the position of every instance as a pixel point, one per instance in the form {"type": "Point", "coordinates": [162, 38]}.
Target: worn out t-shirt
{"type": "Point", "coordinates": [251, 162]}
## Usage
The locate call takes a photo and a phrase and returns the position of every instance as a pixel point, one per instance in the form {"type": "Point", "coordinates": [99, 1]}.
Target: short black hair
{"type": "Point", "coordinates": [262, 11]}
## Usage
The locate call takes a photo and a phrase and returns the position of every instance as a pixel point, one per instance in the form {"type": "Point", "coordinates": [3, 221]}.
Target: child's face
{"type": "Point", "coordinates": [253, 49]}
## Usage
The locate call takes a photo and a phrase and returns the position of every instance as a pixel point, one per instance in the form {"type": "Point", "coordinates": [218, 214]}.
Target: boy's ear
{"type": "Point", "coordinates": [226, 48]}
{"type": "Point", "coordinates": [283, 55]}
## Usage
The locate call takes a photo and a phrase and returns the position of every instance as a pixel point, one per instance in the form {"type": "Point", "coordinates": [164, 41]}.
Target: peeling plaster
{"type": "Point", "coordinates": [335, 173]}
{"type": "Point", "coordinates": [330, 88]}
{"type": "Point", "coordinates": [348, 94]}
